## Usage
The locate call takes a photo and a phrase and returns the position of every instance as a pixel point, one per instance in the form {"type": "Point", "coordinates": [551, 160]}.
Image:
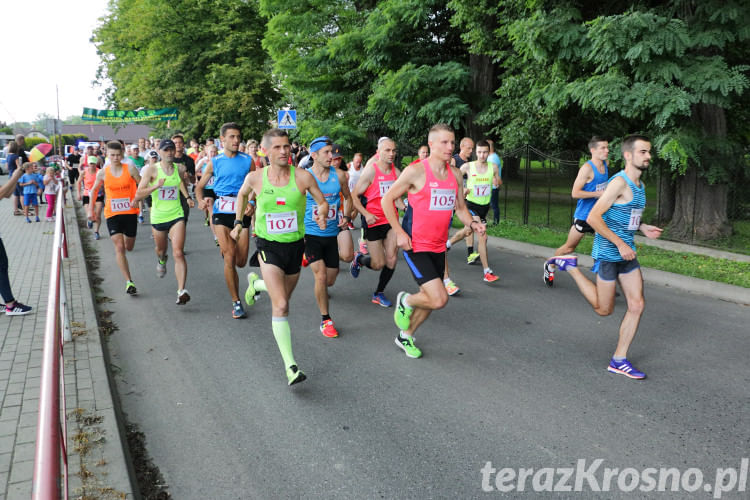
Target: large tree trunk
{"type": "Point", "coordinates": [701, 208]}
{"type": "Point", "coordinates": [482, 87]}
{"type": "Point", "coordinates": [665, 207]}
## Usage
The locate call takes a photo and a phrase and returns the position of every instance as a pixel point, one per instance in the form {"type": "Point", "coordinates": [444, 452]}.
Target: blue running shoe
{"type": "Point", "coordinates": [625, 368]}
{"type": "Point", "coordinates": [564, 262]}
{"type": "Point", "coordinates": [355, 266]}
{"type": "Point", "coordinates": [381, 300]}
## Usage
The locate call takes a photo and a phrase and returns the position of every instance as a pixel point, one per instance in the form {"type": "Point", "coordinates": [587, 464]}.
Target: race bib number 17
{"type": "Point", "coordinates": [481, 190]}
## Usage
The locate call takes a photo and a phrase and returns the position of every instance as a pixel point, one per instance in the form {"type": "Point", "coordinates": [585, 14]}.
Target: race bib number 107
{"type": "Point", "coordinates": [285, 222]}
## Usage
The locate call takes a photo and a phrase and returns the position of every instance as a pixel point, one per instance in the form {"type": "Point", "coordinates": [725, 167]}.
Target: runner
{"type": "Point", "coordinates": [208, 188]}
{"type": "Point", "coordinates": [480, 176]}
{"type": "Point", "coordinates": [120, 183]}
{"type": "Point", "coordinates": [324, 247]}
{"type": "Point", "coordinates": [434, 191]}
{"type": "Point", "coordinates": [353, 172]}
{"type": "Point", "coordinates": [228, 171]}
{"type": "Point", "coordinates": [280, 197]}
{"type": "Point", "coordinates": [587, 188]}
{"type": "Point", "coordinates": [373, 183]}
{"type": "Point", "coordinates": [162, 181]}
{"type": "Point", "coordinates": [615, 217]}
{"type": "Point", "coordinates": [87, 180]}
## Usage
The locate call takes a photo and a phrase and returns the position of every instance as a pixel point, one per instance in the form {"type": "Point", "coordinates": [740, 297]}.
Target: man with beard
{"type": "Point", "coordinates": [615, 217]}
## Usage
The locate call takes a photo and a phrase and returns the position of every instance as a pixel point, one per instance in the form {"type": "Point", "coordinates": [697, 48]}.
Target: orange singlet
{"type": "Point", "coordinates": [119, 191]}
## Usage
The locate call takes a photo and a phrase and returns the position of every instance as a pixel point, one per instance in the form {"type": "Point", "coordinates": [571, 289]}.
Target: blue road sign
{"type": "Point", "coordinates": [287, 118]}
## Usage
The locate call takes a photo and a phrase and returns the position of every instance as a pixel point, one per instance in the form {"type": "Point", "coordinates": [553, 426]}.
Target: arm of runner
{"type": "Point", "coordinates": [144, 190]}
{"type": "Point", "coordinates": [206, 174]}
{"type": "Point", "coordinates": [346, 207]}
{"type": "Point", "coordinates": [95, 189]}
{"type": "Point", "coordinates": [399, 188]}
{"type": "Point", "coordinates": [242, 197]}
{"type": "Point", "coordinates": [497, 180]}
{"type": "Point", "coordinates": [7, 189]}
{"type": "Point", "coordinates": [461, 210]}
{"type": "Point", "coordinates": [183, 185]}
{"type": "Point", "coordinates": [595, 219]}
{"type": "Point", "coordinates": [368, 174]}
{"type": "Point", "coordinates": [585, 174]}
{"type": "Point", "coordinates": [306, 181]}
{"type": "Point", "coordinates": [399, 201]}
{"type": "Point", "coordinates": [650, 231]}
{"type": "Point", "coordinates": [464, 170]}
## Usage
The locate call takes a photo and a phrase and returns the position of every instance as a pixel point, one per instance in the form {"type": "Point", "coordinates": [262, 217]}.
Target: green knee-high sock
{"type": "Point", "coordinates": [260, 286]}
{"type": "Point", "coordinates": [284, 339]}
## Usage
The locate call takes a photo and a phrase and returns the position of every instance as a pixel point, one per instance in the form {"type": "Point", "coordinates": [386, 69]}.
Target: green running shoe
{"type": "Point", "coordinates": [472, 258]}
{"type": "Point", "coordinates": [250, 293]}
{"type": "Point", "coordinates": [407, 344]}
{"type": "Point", "coordinates": [294, 375]}
{"type": "Point", "coordinates": [130, 288]}
{"type": "Point", "coordinates": [402, 314]}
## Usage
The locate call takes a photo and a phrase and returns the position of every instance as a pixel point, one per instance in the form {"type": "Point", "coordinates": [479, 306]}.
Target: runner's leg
{"type": "Point", "coordinates": [177, 236]}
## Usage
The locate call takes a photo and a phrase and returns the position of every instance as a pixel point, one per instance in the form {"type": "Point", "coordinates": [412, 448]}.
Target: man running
{"type": "Point", "coordinates": [95, 198]}
{"type": "Point", "coordinates": [325, 247]}
{"type": "Point", "coordinates": [434, 191]}
{"type": "Point", "coordinates": [480, 176]}
{"type": "Point", "coordinates": [589, 185]}
{"type": "Point", "coordinates": [280, 209]}
{"type": "Point", "coordinates": [120, 183]}
{"type": "Point", "coordinates": [228, 171]}
{"type": "Point", "coordinates": [163, 181]}
{"type": "Point", "coordinates": [615, 217]}
{"type": "Point", "coordinates": [374, 182]}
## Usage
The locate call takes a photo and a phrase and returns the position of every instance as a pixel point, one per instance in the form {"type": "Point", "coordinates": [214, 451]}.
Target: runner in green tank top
{"type": "Point", "coordinates": [163, 182]}
{"type": "Point", "coordinates": [479, 177]}
{"type": "Point", "coordinates": [279, 191]}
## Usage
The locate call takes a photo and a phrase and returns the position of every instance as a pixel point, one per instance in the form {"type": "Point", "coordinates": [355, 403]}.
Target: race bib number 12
{"type": "Point", "coordinates": [168, 193]}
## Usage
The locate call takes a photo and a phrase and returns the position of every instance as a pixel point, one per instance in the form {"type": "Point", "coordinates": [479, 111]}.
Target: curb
{"type": "Point", "coordinates": [119, 469]}
{"type": "Point", "coordinates": [721, 291]}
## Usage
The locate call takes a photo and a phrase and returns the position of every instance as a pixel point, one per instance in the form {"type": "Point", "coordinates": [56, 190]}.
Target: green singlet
{"type": "Point", "coordinates": [280, 212]}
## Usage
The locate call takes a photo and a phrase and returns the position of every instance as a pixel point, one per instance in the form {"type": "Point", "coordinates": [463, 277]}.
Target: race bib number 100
{"type": "Point", "coordinates": [285, 222]}
{"type": "Point", "coordinates": [635, 219]}
{"type": "Point", "coordinates": [168, 193]}
{"type": "Point", "coordinates": [119, 204]}
{"type": "Point", "coordinates": [442, 199]}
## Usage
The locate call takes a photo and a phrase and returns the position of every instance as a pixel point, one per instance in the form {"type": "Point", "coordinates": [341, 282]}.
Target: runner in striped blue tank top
{"type": "Point", "coordinates": [589, 185]}
{"type": "Point", "coordinates": [615, 218]}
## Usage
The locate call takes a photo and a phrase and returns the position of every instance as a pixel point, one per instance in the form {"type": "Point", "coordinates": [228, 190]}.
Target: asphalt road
{"type": "Point", "coordinates": [513, 373]}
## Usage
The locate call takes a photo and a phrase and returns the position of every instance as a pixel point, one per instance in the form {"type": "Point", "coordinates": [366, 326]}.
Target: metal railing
{"type": "Point", "coordinates": [51, 436]}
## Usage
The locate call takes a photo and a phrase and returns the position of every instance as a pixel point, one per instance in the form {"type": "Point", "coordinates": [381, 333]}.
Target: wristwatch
{"type": "Point", "coordinates": [237, 222]}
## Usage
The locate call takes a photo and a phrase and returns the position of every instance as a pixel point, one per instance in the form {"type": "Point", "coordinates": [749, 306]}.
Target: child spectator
{"type": "Point", "coordinates": [50, 192]}
{"type": "Point", "coordinates": [38, 169]}
{"type": "Point", "coordinates": [29, 185]}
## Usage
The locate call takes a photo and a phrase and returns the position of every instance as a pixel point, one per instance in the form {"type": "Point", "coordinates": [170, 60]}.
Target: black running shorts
{"type": "Point", "coordinates": [322, 247]}
{"type": "Point", "coordinates": [126, 224]}
{"type": "Point", "coordinates": [287, 256]}
{"type": "Point", "coordinates": [425, 266]}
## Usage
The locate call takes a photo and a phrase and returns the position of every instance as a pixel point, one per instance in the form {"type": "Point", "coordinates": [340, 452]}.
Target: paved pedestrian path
{"type": "Point", "coordinates": [97, 465]}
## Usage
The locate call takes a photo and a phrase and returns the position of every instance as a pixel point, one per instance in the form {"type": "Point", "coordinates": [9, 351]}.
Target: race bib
{"type": "Point", "coordinates": [226, 204]}
{"type": "Point", "coordinates": [210, 183]}
{"type": "Point", "coordinates": [635, 219]}
{"type": "Point", "coordinates": [601, 187]}
{"type": "Point", "coordinates": [384, 187]}
{"type": "Point", "coordinates": [481, 190]}
{"type": "Point", "coordinates": [442, 199]}
{"type": "Point", "coordinates": [119, 204]}
{"type": "Point", "coordinates": [168, 193]}
{"type": "Point", "coordinates": [285, 222]}
{"type": "Point", "coordinates": [332, 209]}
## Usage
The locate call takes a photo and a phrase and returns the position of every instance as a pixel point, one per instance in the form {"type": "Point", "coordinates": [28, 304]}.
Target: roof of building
{"type": "Point", "coordinates": [129, 133]}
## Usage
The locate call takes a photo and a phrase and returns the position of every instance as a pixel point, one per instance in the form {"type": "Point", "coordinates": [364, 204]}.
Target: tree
{"type": "Point", "coordinates": [202, 56]}
{"type": "Point", "coordinates": [675, 70]}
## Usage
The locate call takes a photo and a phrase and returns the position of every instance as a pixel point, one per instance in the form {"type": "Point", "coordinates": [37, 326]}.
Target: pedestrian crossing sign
{"type": "Point", "coordinates": [287, 118]}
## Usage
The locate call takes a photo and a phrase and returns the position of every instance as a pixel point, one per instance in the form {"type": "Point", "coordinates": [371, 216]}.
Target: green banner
{"type": "Point", "coordinates": [118, 116]}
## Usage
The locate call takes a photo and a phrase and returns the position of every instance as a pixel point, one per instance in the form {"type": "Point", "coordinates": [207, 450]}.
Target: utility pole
{"type": "Point", "coordinates": [59, 139]}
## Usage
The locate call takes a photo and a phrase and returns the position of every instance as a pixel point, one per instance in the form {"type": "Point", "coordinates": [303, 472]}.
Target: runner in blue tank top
{"type": "Point", "coordinates": [325, 247]}
{"type": "Point", "coordinates": [229, 170]}
{"type": "Point", "coordinates": [615, 218]}
{"type": "Point", "coordinates": [588, 186]}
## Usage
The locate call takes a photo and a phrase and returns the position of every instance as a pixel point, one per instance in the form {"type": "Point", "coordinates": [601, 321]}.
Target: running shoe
{"type": "Point", "coordinates": [161, 267]}
{"type": "Point", "coordinates": [328, 329]}
{"type": "Point", "coordinates": [350, 226]}
{"type": "Point", "coordinates": [237, 311]}
{"type": "Point", "coordinates": [381, 300]}
{"type": "Point", "coordinates": [564, 262]}
{"type": "Point", "coordinates": [205, 222]}
{"type": "Point", "coordinates": [96, 235]}
{"type": "Point", "coordinates": [294, 375]}
{"type": "Point", "coordinates": [140, 219]}
{"type": "Point", "coordinates": [18, 309]}
{"type": "Point", "coordinates": [216, 241]}
{"type": "Point", "coordinates": [407, 344]}
{"type": "Point", "coordinates": [183, 297]}
{"type": "Point", "coordinates": [130, 288]}
{"type": "Point", "coordinates": [625, 368]}
{"type": "Point", "coordinates": [452, 288]}
{"type": "Point", "coordinates": [402, 314]}
{"type": "Point", "coordinates": [355, 266]}
{"type": "Point", "coordinates": [37, 219]}
{"type": "Point", "coordinates": [251, 293]}
{"type": "Point", "coordinates": [490, 277]}
{"type": "Point", "coordinates": [472, 258]}
{"type": "Point", "coordinates": [549, 275]}
{"type": "Point", "coordinates": [89, 224]}
{"type": "Point", "coordinates": [363, 247]}
{"type": "Point", "coordinates": [28, 220]}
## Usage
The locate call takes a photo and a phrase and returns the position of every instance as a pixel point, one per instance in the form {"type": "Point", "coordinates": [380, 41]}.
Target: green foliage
{"type": "Point", "coordinates": [201, 56]}
{"type": "Point", "coordinates": [30, 142]}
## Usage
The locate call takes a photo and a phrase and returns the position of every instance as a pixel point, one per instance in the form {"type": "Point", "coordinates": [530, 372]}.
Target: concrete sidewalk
{"type": "Point", "coordinates": [97, 464]}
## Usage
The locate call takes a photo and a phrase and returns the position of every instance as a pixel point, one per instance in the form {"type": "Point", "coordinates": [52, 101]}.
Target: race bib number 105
{"type": "Point", "coordinates": [442, 199]}
{"type": "Point", "coordinates": [285, 222]}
